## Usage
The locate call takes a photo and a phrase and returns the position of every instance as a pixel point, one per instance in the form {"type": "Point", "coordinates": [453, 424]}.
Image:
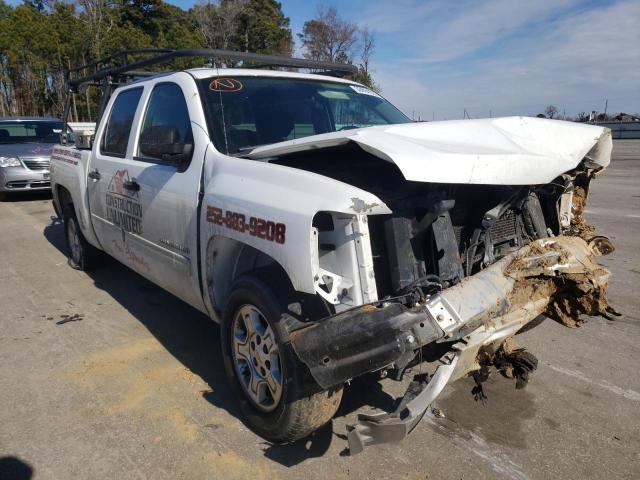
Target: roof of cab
{"type": "Point", "coordinates": [200, 73]}
{"type": "Point", "coordinates": [29, 119]}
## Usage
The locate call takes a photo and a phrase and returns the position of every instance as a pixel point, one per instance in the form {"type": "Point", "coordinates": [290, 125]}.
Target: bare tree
{"type": "Point", "coordinates": [551, 111]}
{"type": "Point", "coordinates": [99, 22]}
{"type": "Point", "coordinates": [218, 21]}
{"type": "Point", "coordinates": [329, 38]}
{"type": "Point", "coordinates": [368, 44]}
{"type": "Point", "coordinates": [206, 17]}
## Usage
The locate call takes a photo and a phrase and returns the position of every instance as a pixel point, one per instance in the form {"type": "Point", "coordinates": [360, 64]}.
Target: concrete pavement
{"type": "Point", "coordinates": [104, 375]}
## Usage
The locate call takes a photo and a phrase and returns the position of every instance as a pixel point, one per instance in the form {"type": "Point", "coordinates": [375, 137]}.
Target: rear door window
{"type": "Point", "coordinates": [116, 135]}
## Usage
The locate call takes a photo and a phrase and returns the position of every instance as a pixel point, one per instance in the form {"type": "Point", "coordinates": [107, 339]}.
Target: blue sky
{"type": "Point", "coordinates": [435, 58]}
{"type": "Point", "coordinates": [501, 57]}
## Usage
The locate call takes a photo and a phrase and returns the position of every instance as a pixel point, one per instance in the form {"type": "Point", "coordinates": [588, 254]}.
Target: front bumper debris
{"type": "Point", "coordinates": [363, 339]}
{"type": "Point", "coordinates": [557, 277]}
{"type": "Point", "coordinates": [393, 427]}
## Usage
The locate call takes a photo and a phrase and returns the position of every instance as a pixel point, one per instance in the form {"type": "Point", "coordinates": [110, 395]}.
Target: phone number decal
{"type": "Point", "coordinates": [256, 227]}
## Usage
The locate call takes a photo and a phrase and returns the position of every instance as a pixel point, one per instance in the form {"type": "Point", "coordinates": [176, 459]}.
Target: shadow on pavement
{"type": "Point", "coordinates": [26, 196]}
{"type": "Point", "coordinates": [194, 339]}
{"type": "Point", "coordinates": [15, 469]}
{"type": "Point", "coordinates": [315, 445]}
{"type": "Point", "coordinates": [365, 391]}
{"type": "Point", "coordinates": [54, 233]}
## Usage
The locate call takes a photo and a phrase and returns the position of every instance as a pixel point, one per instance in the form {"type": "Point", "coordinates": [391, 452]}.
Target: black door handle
{"type": "Point", "coordinates": [94, 175]}
{"type": "Point", "coordinates": [131, 185]}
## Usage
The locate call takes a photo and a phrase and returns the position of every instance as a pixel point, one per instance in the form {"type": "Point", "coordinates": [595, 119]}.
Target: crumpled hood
{"type": "Point", "coordinates": [498, 151]}
{"type": "Point", "coordinates": [26, 150]}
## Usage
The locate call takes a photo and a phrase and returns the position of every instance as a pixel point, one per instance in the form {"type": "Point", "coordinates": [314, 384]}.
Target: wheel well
{"type": "Point", "coordinates": [64, 197]}
{"type": "Point", "coordinates": [61, 198]}
{"type": "Point", "coordinates": [228, 259]}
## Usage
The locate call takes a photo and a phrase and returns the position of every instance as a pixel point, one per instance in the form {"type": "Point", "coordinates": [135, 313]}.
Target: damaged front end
{"type": "Point", "coordinates": [470, 321]}
{"type": "Point", "coordinates": [446, 280]}
{"type": "Point", "coordinates": [482, 232]}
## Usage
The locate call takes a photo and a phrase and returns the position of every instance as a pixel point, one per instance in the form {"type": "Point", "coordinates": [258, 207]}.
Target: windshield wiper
{"type": "Point", "coordinates": [251, 147]}
{"type": "Point", "coordinates": [247, 150]}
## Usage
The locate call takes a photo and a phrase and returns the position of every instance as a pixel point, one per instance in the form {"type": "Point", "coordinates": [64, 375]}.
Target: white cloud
{"type": "Point", "coordinates": [443, 30]}
{"type": "Point", "coordinates": [398, 16]}
{"type": "Point", "coordinates": [575, 61]}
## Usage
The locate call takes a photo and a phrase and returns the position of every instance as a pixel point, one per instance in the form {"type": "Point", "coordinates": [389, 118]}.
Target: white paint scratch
{"type": "Point", "coordinates": [629, 394]}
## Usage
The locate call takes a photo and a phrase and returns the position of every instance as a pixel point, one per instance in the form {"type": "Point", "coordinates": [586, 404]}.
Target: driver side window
{"type": "Point", "coordinates": [166, 135]}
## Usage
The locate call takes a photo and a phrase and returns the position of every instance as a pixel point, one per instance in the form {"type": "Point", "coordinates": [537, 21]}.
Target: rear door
{"type": "Point", "coordinates": [115, 209]}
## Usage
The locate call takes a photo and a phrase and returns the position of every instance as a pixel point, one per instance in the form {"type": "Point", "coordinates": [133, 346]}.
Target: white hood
{"type": "Point", "coordinates": [498, 151]}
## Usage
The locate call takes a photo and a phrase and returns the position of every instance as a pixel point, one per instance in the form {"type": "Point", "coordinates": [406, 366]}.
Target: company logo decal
{"type": "Point", "coordinates": [225, 85]}
{"type": "Point", "coordinates": [131, 255]}
{"type": "Point", "coordinates": [123, 206]}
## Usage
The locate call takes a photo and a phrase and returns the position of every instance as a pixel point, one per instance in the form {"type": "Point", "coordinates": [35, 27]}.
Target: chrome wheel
{"type": "Point", "coordinates": [256, 358]}
{"type": "Point", "coordinates": [74, 241]}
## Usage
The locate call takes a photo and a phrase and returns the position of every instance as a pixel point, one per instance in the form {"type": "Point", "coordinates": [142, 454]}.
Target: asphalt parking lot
{"type": "Point", "coordinates": [104, 375]}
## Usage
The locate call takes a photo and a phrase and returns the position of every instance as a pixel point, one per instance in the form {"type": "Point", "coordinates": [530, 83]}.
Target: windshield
{"type": "Point", "coordinates": [250, 111]}
{"type": "Point", "coordinates": [30, 131]}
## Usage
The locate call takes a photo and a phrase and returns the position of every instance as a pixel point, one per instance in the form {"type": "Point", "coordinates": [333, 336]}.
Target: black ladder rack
{"type": "Point", "coordinates": [118, 69]}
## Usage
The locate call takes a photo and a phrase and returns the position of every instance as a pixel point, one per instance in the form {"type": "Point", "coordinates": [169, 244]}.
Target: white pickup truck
{"type": "Point", "coordinates": [332, 237]}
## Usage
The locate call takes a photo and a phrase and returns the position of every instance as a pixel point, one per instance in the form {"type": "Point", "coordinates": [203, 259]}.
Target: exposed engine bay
{"type": "Point", "coordinates": [436, 237]}
{"type": "Point", "coordinates": [444, 231]}
{"type": "Point", "coordinates": [448, 277]}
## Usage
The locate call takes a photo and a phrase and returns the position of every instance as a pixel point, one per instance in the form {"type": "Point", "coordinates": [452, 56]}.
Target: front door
{"type": "Point", "coordinates": [164, 174]}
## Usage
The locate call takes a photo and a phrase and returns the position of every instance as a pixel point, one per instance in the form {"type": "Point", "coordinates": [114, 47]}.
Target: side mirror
{"type": "Point", "coordinates": [163, 142]}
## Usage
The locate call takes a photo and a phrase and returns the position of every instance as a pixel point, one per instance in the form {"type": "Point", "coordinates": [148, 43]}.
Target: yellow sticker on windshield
{"type": "Point", "coordinates": [225, 85]}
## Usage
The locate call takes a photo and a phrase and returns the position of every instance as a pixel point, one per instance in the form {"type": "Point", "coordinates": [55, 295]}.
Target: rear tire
{"type": "Point", "coordinates": [278, 397]}
{"type": "Point", "coordinates": [82, 255]}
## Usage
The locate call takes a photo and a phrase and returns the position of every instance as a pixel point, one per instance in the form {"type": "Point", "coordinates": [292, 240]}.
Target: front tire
{"type": "Point", "coordinates": [278, 397]}
{"type": "Point", "coordinates": [82, 255]}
